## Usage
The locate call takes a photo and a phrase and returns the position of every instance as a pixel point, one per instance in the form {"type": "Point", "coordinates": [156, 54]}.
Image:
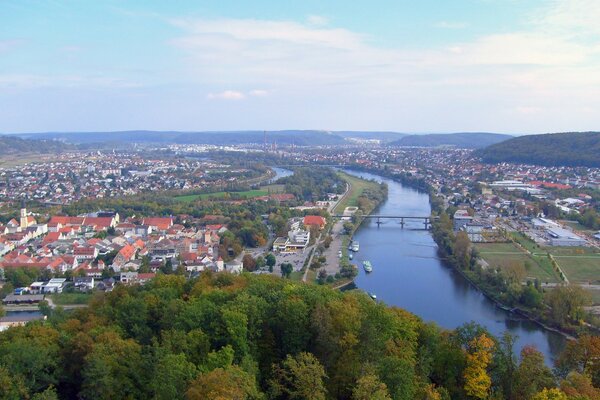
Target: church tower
{"type": "Point", "coordinates": [23, 221]}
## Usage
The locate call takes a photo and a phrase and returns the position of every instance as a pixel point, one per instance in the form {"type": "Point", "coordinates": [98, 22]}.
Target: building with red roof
{"type": "Point", "coordinates": [314, 220]}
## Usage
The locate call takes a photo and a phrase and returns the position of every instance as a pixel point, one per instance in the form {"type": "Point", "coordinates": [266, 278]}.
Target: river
{"type": "Point", "coordinates": [408, 273]}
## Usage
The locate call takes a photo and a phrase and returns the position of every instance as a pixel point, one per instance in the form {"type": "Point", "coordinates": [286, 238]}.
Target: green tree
{"type": "Point", "coordinates": [286, 269]}
{"type": "Point", "coordinates": [231, 383]}
{"type": "Point", "coordinates": [271, 260]}
{"type": "Point", "coordinates": [550, 394]}
{"type": "Point", "coordinates": [369, 387]}
{"type": "Point", "coordinates": [172, 375]}
{"type": "Point", "coordinates": [299, 377]}
{"type": "Point", "coordinates": [112, 369]}
{"type": "Point", "coordinates": [532, 375]}
{"type": "Point", "coordinates": [260, 262]}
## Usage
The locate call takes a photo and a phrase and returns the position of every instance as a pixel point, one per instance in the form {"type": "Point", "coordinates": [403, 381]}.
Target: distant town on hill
{"type": "Point", "coordinates": [568, 149]}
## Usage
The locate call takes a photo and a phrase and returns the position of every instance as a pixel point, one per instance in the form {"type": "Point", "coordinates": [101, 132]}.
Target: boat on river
{"type": "Point", "coordinates": [355, 246]}
{"type": "Point", "coordinates": [367, 266]}
{"type": "Point", "coordinates": [373, 296]}
{"type": "Point", "coordinates": [350, 256]}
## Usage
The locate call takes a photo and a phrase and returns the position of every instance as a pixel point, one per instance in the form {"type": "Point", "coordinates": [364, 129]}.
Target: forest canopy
{"type": "Point", "coordinates": [222, 336]}
{"type": "Point", "coordinates": [556, 149]}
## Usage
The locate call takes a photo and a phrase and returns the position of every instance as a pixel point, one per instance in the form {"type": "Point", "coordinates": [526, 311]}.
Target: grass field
{"type": "Point", "coordinates": [581, 269]}
{"type": "Point", "coordinates": [503, 254]}
{"type": "Point", "coordinates": [357, 187]}
{"type": "Point", "coordinates": [62, 299]}
{"type": "Point", "coordinates": [248, 194]}
{"type": "Point", "coordinates": [573, 251]}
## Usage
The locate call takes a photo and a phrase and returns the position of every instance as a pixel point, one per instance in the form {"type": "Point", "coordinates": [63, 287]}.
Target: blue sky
{"type": "Point", "coordinates": [516, 66]}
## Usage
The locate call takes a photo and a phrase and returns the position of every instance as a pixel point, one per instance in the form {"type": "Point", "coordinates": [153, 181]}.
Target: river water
{"type": "Point", "coordinates": [408, 273]}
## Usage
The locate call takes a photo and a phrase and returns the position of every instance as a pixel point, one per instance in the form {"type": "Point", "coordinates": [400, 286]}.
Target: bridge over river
{"type": "Point", "coordinates": [379, 219]}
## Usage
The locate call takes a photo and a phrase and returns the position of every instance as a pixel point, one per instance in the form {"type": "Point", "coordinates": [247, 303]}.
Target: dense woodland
{"type": "Point", "coordinates": [259, 337]}
{"type": "Point", "coordinates": [557, 149]}
{"type": "Point", "coordinates": [312, 184]}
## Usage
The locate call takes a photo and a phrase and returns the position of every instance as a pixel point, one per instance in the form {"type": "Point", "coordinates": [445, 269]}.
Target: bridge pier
{"type": "Point", "coordinates": [401, 223]}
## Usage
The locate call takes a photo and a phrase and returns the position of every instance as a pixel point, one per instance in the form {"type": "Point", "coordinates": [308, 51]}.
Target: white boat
{"type": "Point", "coordinates": [350, 256]}
{"type": "Point", "coordinates": [367, 266]}
{"type": "Point", "coordinates": [355, 245]}
{"type": "Point", "coordinates": [373, 296]}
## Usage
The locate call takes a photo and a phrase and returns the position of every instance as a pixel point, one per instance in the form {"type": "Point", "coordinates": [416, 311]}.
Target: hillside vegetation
{"type": "Point", "coordinates": [16, 145]}
{"type": "Point", "coordinates": [230, 337]}
{"type": "Point", "coordinates": [472, 140]}
{"type": "Point", "coordinates": [556, 149]}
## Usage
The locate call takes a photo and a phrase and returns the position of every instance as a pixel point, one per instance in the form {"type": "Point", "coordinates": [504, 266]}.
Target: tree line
{"type": "Point", "coordinates": [221, 336]}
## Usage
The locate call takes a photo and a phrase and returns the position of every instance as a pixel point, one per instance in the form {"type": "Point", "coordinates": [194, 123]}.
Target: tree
{"type": "Point", "coordinates": [260, 262]}
{"type": "Point", "coordinates": [172, 375]}
{"type": "Point", "coordinates": [567, 303]}
{"type": "Point", "coordinates": [322, 276]}
{"type": "Point", "coordinates": [579, 386]}
{"type": "Point", "coordinates": [369, 387]}
{"type": "Point", "coordinates": [550, 394]}
{"type": "Point", "coordinates": [299, 377]}
{"type": "Point", "coordinates": [477, 380]}
{"type": "Point", "coordinates": [581, 356]}
{"type": "Point", "coordinates": [462, 244]}
{"type": "Point", "coordinates": [270, 260]}
{"type": "Point", "coordinates": [249, 263]}
{"type": "Point", "coordinates": [2, 312]}
{"type": "Point", "coordinates": [532, 375]}
{"type": "Point", "coordinates": [230, 383]}
{"type": "Point", "coordinates": [505, 364]}
{"type": "Point", "coordinates": [286, 269]}
{"type": "Point", "coordinates": [48, 394]}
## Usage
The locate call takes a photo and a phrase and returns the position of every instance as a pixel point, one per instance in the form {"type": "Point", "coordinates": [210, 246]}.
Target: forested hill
{"type": "Point", "coordinates": [15, 145]}
{"type": "Point", "coordinates": [468, 140]}
{"type": "Point", "coordinates": [555, 149]}
{"type": "Point", "coordinates": [253, 337]}
{"type": "Point", "coordinates": [297, 137]}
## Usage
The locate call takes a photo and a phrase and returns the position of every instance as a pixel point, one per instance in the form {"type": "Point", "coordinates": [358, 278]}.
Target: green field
{"type": "Point", "coordinates": [581, 269]}
{"type": "Point", "coordinates": [573, 251]}
{"type": "Point", "coordinates": [248, 194]}
{"type": "Point", "coordinates": [357, 186]}
{"type": "Point", "coordinates": [503, 254]}
{"type": "Point", "coordinates": [61, 299]}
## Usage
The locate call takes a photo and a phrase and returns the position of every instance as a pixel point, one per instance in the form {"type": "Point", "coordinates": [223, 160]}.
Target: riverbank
{"type": "Point", "coordinates": [363, 194]}
{"type": "Point", "coordinates": [446, 249]}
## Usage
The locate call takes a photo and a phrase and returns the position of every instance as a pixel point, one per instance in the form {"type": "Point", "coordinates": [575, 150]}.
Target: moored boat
{"type": "Point", "coordinates": [367, 266]}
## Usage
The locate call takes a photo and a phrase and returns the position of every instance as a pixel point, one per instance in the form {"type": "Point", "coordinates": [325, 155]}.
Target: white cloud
{"type": "Point", "coordinates": [227, 95]}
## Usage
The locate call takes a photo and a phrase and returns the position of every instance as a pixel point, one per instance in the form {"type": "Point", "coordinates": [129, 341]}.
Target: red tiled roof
{"type": "Point", "coordinates": [162, 223]}
{"type": "Point", "coordinates": [314, 220]}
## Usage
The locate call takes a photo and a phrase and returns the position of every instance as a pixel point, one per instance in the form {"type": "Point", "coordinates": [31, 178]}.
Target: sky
{"type": "Point", "coordinates": [513, 66]}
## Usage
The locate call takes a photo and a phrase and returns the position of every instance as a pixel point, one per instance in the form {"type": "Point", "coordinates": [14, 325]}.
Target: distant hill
{"type": "Point", "coordinates": [10, 144]}
{"type": "Point", "coordinates": [552, 149]}
{"type": "Point", "coordinates": [470, 140]}
{"type": "Point", "coordinates": [384, 137]}
{"type": "Point", "coordinates": [298, 137]}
